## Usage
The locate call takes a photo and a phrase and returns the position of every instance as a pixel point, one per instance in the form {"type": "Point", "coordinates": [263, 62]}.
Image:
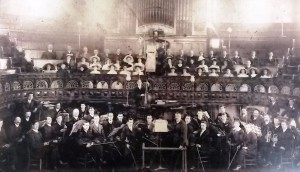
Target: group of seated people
{"type": "Point", "coordinates": [115, 140]}
{"type": "Point", "coordinates": [166, 63]}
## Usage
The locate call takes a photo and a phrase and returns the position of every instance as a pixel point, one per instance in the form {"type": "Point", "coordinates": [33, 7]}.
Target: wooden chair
{"type": "Point", "coordinates": [250, 161]}
{"type": "Point", "coordinates": [86, 159]}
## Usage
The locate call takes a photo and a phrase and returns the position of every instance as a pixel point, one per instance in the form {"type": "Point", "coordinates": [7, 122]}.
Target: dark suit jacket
{"type": "Point", "coordinates": [29, 106]}
{"type": "Point", "coordinates": [34, 140]}
{"type": "Point", "coordinates": [3, 137]}
{"type": "Point", "coordinates": [14, 133]}
{"type": "Point", "coordinates": [47, 133]}
{"type": "Point", "coordinates": [66, 53]}
{"type": "Point", "coordinates": [48, 55]}
{"type": "Point", "coordinates": [180, 134]}
{"type": "Point", "coordinates": [85, 137]}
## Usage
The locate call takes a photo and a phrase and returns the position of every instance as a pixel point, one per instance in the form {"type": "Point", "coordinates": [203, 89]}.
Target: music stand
{"type": "Point", "coordinates": [160, 126]}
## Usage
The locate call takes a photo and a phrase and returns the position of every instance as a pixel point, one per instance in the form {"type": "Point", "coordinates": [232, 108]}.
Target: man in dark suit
{"type": "Point", "coordinates": [270, 60]}
{"type": "Point", "coordinates": [30, 105]}
{"type": "Point", "coordinates": [49, 54]}
{"type": "Point", "coordinates": [34, 142]}
{"type": "Point", "coordinates": [15, 137]}
{"type": "Point", "coordinates": [27, 122]}
{"type": "Point", "coordinates": [68, 53]}
{"type": "Point", "coordinates": [236, 59]}
{"type": "Point", "coordinates": [69, 58]}
{"type": "Point", "coordinates": [50, 142]}
{"type": "Point", "coordinates": [86, 141]}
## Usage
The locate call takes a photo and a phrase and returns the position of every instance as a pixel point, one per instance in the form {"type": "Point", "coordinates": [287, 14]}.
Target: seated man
{"type": "Point", "coordinates": [49, 54]}
{"type": "Point", "coordinates": [95, 54]}
{"type": "Point", "coordinates": [179, 66]}
{"type": "Point", "coordinates": [249, 147]}
{"type": "Point", "coordinates": [4, 144]}
{"type": "Point", "coordinates": [50, 142]}
{"type": "Point", "coordinates": [87, 143]}
{"type": "Point", "coordinates": [202, 143]}
{"type": "Point", "coordinates": [283, 146]}
{"type": "Point", "coordinates": [35, 143]}
{"type": "Point", "coordinates": [172, 73]}
{"type": "Point", "coordinates": [270, 60]}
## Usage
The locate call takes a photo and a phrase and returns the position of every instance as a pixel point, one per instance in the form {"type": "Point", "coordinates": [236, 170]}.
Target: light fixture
{"type": "Point", "coordinates": [229, 29]}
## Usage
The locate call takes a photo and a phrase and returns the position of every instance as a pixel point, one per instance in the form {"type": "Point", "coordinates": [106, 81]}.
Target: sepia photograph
{"type": "Point", "coordinates": [150, 85]}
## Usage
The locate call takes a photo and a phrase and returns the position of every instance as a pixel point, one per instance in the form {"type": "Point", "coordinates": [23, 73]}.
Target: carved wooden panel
{"type": "Point", "coordinates": [273, 89]}
{"type": "Point", "coordinates": [27, 85]}
{"type": "Point", "coordinates": [202, 87]}
{"type": "Point", "coordinates": [41, 84]}
{"type": "Point", "coordinates": [216, 87]}
{"type": "Point", "coordinates": [16, 85]}
{"type": "Point", "coordinates": [259, 88]}
{"type": "Point", "coordinates": [231, 88]}
{"type": "Point", "coordinates": [7, 87]}
{"type": "Point", "coordinates": [102, 85]}
{"type": "Point", "coordinates": [245, 88]}
{"type": "Point", "coordinates": [72, 84]}
{"type": "Point", "coordinates": [296, 92]}
{"type": "Point", "coordinates": [87, 84]}
{"type": "Point", "coordinates": [57, 84]}
{"type": "Point", "coordinates": [174, 86]}
{"type": "Point", "coordinates": [286, 90]}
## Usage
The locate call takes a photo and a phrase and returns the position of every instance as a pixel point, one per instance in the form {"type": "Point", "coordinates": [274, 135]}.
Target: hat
{"type": "Point", "coordinates": [98, 58]}
{"type": "Point", "coordinates": [201, 58]}
{"type": "Point", "coordinates": [137, 65]}
{"type": "Point", "coordinates": [243, 69]}
{"type": "Point", "coordinates": [125, 64]}
{"type": "Point", "coordinates": [128, 56]}
{"type": "Point", "coordinates": [84, 66]}
{"type": "Point", "coordinates": [112, 64]}
{"type": "Point", "coordinates": [186, 67]}
{"type": "Point", "coordinates": [213, 67]}
{"type": "Point", "coordinates": [181, 59]}
{"type": "Point", "coordinates": [202, 68]}
{"type": "Point", "coordinates": [255, 69]}
{"type": "Point", "coordinates": [173, 67]}
{"type": "Point", "coordinates": [52, 66]}
{"type": "Point", "coordinates": [268, 70]}
{"type": "Point", "coordinates": [169, 57]}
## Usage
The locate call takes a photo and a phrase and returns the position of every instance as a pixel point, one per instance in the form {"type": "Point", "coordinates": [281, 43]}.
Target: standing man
{"type": "Point", "coordinates": [31, 105]}
{"type": "Point", "coordinates": [49, 54]}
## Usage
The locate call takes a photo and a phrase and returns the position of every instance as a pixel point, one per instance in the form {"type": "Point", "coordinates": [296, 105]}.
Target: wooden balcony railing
{"type": "Point", "coordinates": [99, 88]}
